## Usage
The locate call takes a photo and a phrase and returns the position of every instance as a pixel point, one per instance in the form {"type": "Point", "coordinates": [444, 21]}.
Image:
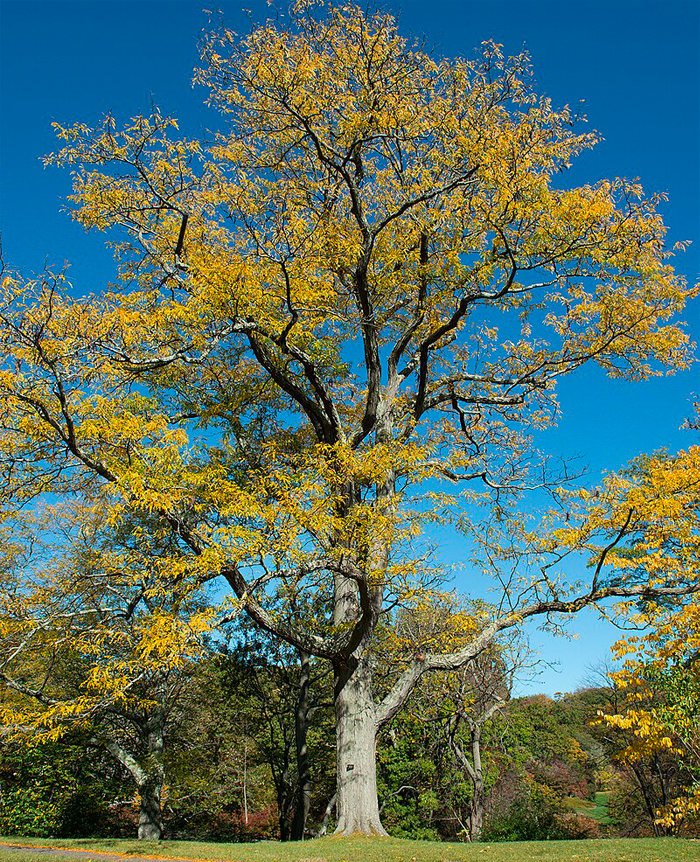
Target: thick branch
{"type": "Point", "coordinates": [304, 640]}
{"type": "Point", "coordinates": [318, 419]}
{"type": "Point", "coordinates": [402, 689]}
{"type": "Point", "coordinates": [127, 760]}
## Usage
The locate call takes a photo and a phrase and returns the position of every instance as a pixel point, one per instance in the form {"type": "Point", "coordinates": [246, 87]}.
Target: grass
{"type": "Point", "coordinates": [381, 850]}
{"type": "Point", "coordinates": [597, 809]}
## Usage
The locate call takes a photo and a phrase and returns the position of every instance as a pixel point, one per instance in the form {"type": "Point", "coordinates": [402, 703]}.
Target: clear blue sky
{"type": "Point", "coordinates": [633, 63]}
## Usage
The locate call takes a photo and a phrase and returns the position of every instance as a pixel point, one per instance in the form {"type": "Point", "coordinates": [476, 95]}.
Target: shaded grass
{"type": "Point", "coordinates": [334, 849]}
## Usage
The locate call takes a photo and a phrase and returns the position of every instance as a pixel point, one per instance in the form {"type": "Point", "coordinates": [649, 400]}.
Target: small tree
{"type": "Point", "coordinates": [484, 689]}
{"type": "Point", "coordinates": [656, 709]}
{"type": "Point", "coordinates": [89, 640]}
{"type": "Point", "coordinates": [288, 696]}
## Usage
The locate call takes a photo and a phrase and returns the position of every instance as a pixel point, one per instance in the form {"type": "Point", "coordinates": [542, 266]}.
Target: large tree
{"type": "Point", "coordinates": [361, 291]}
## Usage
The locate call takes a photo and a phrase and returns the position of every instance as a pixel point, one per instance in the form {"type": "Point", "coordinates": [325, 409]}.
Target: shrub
{"type": "Point", "coordinates": [532, 816]}
{"type": "Point", "coordinates": [223, 825]}
{"type": "Point", "coordinates": [52, 789]}
{"type": "Point", "coordinates": [575, 826]}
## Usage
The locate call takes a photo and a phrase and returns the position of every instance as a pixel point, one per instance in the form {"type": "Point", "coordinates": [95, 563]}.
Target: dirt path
{"type": "Point", "coordinates": [72, 853]}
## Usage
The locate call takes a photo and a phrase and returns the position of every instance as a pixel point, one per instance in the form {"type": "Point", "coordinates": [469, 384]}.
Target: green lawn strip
{"type": "Point", "coordinates": [381, 850]}
{"type": "Point", "coordinates": [598, 809]}
{"type": "Point", "coordinates": [6, 856]}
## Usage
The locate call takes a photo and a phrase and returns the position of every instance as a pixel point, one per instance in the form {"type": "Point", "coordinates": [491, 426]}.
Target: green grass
{"type": "Point", "coordinates": [597, 809]}
{"type": "Point", "coordinates": [384, 850]}
{"type": "Point", "coordinates": [600, 809]}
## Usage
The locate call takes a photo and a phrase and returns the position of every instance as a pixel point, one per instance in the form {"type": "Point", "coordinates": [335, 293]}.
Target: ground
{"type": "Point", "coordinates": [369, 850]}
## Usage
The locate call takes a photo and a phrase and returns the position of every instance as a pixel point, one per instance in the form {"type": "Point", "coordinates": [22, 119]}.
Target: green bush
{"type": "Point", "coordinates": [53, 790]}
{"type": "Point", "coordinates": [533, 816]}
{"type": "Point", "coordinates": [27, 811]}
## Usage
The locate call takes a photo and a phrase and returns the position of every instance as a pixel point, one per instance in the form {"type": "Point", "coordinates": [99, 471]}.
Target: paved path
{"type": "Point", "coordinates": [73, 853]}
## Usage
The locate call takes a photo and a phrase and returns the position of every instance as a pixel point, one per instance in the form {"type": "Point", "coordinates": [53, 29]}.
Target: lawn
{"type": "Point", "coordinates": [382, 850]}
{"type": "Point", "coordinates": [597, 809]}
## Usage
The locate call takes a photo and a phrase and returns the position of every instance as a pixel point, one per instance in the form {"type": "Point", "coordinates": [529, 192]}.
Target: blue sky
{"type": "Point", "coordinates": [634, 65]}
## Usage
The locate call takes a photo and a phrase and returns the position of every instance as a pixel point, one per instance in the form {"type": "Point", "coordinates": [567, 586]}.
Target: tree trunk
{"type": "Point", "coordinates": [283, 798]}
{"type": "Point", "coordinates": [303, 764]}
{"type": "Point", "coordinates": [150, 814]}
{"type": "Point", "coordinates": [149, 776]}
{"type": "Point", "coordinates": [476, 805]}
{"type": "Point", "coordinates": [474, 770]}
{"type": "Point", "coordinates": [356, 729]}
{"type": "Point", "coordinates": [357, 606]}
{"type": "Point", "coordinates": [326, 817]}
{"type": "Point", "coordinates": [245, 781]}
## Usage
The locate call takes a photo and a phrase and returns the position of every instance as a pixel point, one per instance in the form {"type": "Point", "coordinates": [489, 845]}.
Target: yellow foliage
{"type": "Point", "coordinates": [90, 621]}
{"type": "Point", "coordinates": [659, 673]}
{"type": "Point", "coordinates": [363, 290]}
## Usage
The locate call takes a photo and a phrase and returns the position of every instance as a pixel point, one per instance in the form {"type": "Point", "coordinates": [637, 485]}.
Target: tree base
{"type": "Point", "coordinates": [370, 829]}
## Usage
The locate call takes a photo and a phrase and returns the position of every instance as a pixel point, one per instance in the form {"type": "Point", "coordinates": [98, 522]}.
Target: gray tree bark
{"type": "Point", "coordinates": [356, 731]}
{"type": "Point", "coordinates": [150, 810]}
{"type": "Point", "coordinates": [476, 806]}
{"type": "Point", "coordinates": [474, 769]}
{"type": "Point", "coordinates": [149, 774]}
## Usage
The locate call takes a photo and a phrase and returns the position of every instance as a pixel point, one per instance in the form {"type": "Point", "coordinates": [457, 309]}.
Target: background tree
{"type": "Point", "coordinates": [482, 691]}
{"type": "Point", "coordinates": [459, 704]}
{"type": "Point", "coordinates": [289, 696]}
{"type": "Point", "coordinates": [221, 778]}
{"type": "Point", "coordinates": [374, 268]}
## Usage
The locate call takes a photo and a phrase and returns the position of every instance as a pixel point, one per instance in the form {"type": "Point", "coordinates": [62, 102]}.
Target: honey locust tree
{"type": "Point", "coordinates": [92, 638]}
{"type": "Point", "coordinates": [658, 708]}
{"type": "Point", "coordinates": [659, 673]}
{"type": "Point", "coordinates": [363, 288]}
